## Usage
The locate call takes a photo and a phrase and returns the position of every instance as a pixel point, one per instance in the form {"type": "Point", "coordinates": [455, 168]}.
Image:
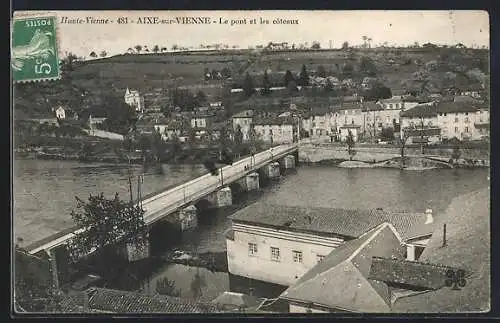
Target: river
{"type": "Point", "coordinates": [44, 197]}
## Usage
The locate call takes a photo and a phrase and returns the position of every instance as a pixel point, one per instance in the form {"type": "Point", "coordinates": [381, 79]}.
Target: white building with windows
{"type": "Point", "coordinates": [244, 120]}
{"type": "Point", "coordinates": [279, 244]}
{"type": "Point", "coordinates": [135, 100]}
{"type": "Point", "coordinates": [276, 130]}
{"type": "Point", "coordinates": [60, 113]}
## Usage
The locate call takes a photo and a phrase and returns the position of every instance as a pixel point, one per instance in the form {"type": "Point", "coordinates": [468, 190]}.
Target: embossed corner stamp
{"type": "Point", "coordinates": [34, 53]}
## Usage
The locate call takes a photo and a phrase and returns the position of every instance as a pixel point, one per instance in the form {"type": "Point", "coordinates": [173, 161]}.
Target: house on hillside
{"type": "Point", "coordinates": [349, 113]}
{"type": "Point", "coordinates": [244, 120]}
{"type": "Point", "coordinates": [420, 124]}
{"type": "Point", "coordinates": [276, 130]}
{"type": "Point", "coordinates": [279, 244]}
{"type": "Point", "coordinates": [319, 122]}
{"type": "Point", "coordinates": [472, 90]}
{"type": "Point", "coordinates": [459, 120]}
{"type": "Point", "coordinates": [60, 113]}
{"type": "Point", "coordinates": [202, 120]}
{"type": "Point", "coordinates": [134, 99]}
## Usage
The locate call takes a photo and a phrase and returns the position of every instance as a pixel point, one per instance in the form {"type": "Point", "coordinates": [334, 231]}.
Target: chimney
{"type": "Point", "coordinates": [430, 218]}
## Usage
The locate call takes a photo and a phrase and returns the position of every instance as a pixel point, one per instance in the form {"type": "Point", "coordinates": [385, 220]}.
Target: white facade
{"type": "Point", "coordinates": [344, 132]}
{"type": "Point", "coordinates": [60, 113]}
{"type": "Point", "coordinates": [462, 125]}
{"type": "Point", "coordinates": [276, 134]}
{"type": "Point", "coordinates": [135, 100]}
{"type": "Point", "coordinates": [250, 255]}
{"type": "Point", "coordinates": [245, 124]}
{"type": "Point", "coordinates": [199, 122]}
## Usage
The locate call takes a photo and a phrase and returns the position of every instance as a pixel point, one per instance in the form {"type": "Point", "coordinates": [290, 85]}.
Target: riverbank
{"type": "Point", "coordinates": [390, 157]}
{"type": "Point", "coordinates": [213, 261]}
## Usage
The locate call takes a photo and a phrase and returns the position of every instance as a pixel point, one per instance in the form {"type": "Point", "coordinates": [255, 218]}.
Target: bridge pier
{"type": "Point", "coordinates": [272, 170]}
{"type": "Point", "coordinates": [250, 182]}
{"type": "Point", "coordinates": [288, 162]}
{"type": "Point", "coordinates": [188, 218]}
{"type": "Point", "coordinates": [221, 198]}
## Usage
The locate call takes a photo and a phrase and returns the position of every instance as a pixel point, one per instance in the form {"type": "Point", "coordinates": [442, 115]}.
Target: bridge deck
{"type": "Point", "coordinates": [173, 199]}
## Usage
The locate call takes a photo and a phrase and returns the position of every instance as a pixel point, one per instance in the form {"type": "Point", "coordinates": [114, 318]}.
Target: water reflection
{"type": "Point", "coordinates": [190, 282]}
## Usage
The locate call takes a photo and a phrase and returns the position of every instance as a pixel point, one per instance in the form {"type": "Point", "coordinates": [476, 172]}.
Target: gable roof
{"type": "Point", "coordinates": [468, 247]}
{"type": "Point", "coordinates": [421, 110]}
{"type": "Point", "coordinates": [340, 280]}
{"type": "Point", "coordinates": [343, 222]}
{"type": "Point", "coordinates": [239, 300]}
{"type": "Point", "coordinates": [117, 301]}
{"type": "Point", "coordinates": [455, 107]}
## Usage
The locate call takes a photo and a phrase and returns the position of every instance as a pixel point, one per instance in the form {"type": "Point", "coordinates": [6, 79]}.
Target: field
{"type": "Point", "coordinates": [160, 72]}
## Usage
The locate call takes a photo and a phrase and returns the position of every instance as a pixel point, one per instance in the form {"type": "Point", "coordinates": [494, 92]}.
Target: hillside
{"type": "Point", "coordinates": [150, 72]}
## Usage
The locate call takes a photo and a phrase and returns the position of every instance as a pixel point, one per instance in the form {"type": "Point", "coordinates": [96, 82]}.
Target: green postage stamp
{"type": "Point", "coordinates": [34, 49]}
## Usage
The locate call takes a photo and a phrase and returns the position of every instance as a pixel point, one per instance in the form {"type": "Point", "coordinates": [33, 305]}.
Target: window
{"type": "Point", "coordinates": [440, 114]}
{"type": "Point", "coordinates": [445, 114]}
{"type": "Point", "coordinates": [466, 119]}
{"type": "Point", "coordinates": [275, 254]}
{"type": "Point", "coordinates": [456, 129]}
{"type": "Point", "coordinates": [320, 258]}
{"type": "Point", "coordinates": [466, 129]}
{"type": "Point", "coordinates": [252, 249]}
{"type": "Point", "coordinates": [466, 113]}
{"type": "Point", "coordinates": [297, 256]}
{"type": "Point", "coordinates": [195, 123]}
{"type": "Point", "coordinates": [390, 106]}
{"type": "Point", "coordinates": [456, 120]}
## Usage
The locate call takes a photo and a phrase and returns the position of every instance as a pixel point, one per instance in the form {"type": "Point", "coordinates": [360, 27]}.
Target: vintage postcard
{"type": "Point", "coordinates": [178, 162]}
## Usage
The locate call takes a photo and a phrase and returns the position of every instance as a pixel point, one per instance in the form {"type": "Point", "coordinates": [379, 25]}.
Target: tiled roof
{"type": "Point", "coordinates": [468, 247]}
{"type": "Point", "coordinates": [340, 280]}
{"type": "Point", "coordinates": [349, 106]}
{"type": "Point", "coordinates": [392, 100]}
{"type": "Point", "coordinates": [274, 121]}
{"type": "Point", "coordinates": [482, 125]}
{"type": "Point", "coordinates": [117, 301]}
{"type": "Point", "coordinates": [454, 107]}
{"type": "Point", "coordinates": [421, 110]}
{"type": "Point", "coordinates": [342, 222]}
{"type": "Point", "coordinates": [410, 273]}
{"type": "Point", "coordinates": [372, 106]}
{"type": "Point", "coordinates": [244, 114]}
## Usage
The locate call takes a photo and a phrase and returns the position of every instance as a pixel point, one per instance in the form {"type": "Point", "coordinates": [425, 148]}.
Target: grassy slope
{"type": "Point", "coordinates": [149, 71]}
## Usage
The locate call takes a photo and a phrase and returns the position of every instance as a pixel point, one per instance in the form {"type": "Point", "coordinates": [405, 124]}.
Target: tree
{"type": "Point", "coordinates": [248, 88]}
{"type": "Point", "coordinates": [329, 88]}
{"type": "Point", "coordinates": [138, 48]}
{"type": "Point", "coordinates": [350, 145]}
{"type": "Point", "coordinates": [367, 66]}
{"type": "Point", "coordinates": [103, 53]}
{"type": "Point", "coordinates": [175, 47]}
{"type": "Point", "coordinates": [347, 69]}
{"type": "Point", "coordinates": [387, 134]}
{"type": "Point", "coordinates": [288, 77]}
{"type": "Point", "coordinates": [304, 77]}
{"type": "Point", "coordinates": [165, 286]}
{"type": "Point", "coordinates": [315, 45]}
{"type": "Point", "coordinates": [201, 98]}
{"type": "Point", "coordinates": [93, 54]}
{"type": "Point", "coordinates": [455, 154]}
{"type": "Point", "coordinates": [378, 92]}
{"type": "Point", "coordinates": [345, 45]}
{"type": "Point", "coordinates": [105, 223]}
{"type": "Point", "coordinates": [266, 84]}
{"type": "Point", "coordinates": [403, 139]}
{"type": "Point", "coordinates": [292, 87]}
{"type": "Point", "coordinates": [184, 98]}
{"type": "Point", "coordinates": [238, 136]}
{"type": "Point", "coordinates": [156, 49]}
{"type": "Point", "coordinates": [321, 72]}
{"type": "Point", "coordinates": [34, 288]}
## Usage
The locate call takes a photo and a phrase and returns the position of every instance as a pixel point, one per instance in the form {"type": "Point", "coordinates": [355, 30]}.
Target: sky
{"type": "Point", "coordinates": [395, 27]}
